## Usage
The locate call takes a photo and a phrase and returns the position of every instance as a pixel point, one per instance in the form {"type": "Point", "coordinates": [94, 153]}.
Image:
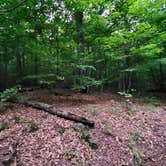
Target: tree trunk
{"type": "Point", "coordinates": [128, 64]}
{"type": "Point", "coordinates": [18, 60]}
{"type": "Point", "coordinates": [80, 36]}
{"type": "Point", "coordinates": [37, 31]}
{"type": "Point", "coordinates": [80, 39]}
{"type": "Point", "coordinates": [57, 52]}
{"type": "Point", "coordinates": [161, 84]}
{"type": "Point", "coordinates": [5, 74]}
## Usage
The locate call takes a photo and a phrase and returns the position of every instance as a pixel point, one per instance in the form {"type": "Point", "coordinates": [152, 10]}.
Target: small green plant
{"type": "Point", "coordinates": [44, 80]}
{"type": "Point", "coordinates": [152, 102]}
{"type": "Point", "coordinates": [16, 120]}
{"type": "Point", "coordinates": [136, 157]}
{"type": "Point", "coordinates": [108, 130]}
{"type": "Point", "coordinates": [86, 82]}
{"type": "Point", "coordinates": [112, 111]}
{"type": "Point", "coordinates": [129, 108]}
{"type": "Point", "coordinates": [94, 111]}
{"type": "Point", "coordinates": [81, 128]}
{"type": "Point", "coordinates": [70, 155]}
{"type": "Point", "coordinates": [151, 106]}
{"type": "Point", "coordinates": [84, 131]}
{"type": "Point", "coordinates": [7, 94]}
{"type": "Point", "coordinates": [46, 83]}
{"type": "Point", "coordinates": [134, 137]}
{"type": "Point", "coordinates": [3, 126]}
{"type": "Point", "coordinates": [33, 127]}
{"type": "Point", "coordinates": [151, 99]}
{"type": "Point", "coordinates": [62, 130]}
{"type": "Point", "coordinates": [87, 138]}
{"type": "Point", "coordinates": [126, 95]}
{"type": "Point", "coordinates": [93, 145]}
{"type": "Point", "coordinates": [30, 127]}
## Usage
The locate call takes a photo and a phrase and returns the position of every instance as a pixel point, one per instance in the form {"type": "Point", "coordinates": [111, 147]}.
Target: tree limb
{"type": "Point", "coordinates": [13, 7]}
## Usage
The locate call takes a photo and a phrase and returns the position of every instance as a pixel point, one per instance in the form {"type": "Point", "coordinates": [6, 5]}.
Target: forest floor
{"type": "Point", "coordinates": [125, 133]}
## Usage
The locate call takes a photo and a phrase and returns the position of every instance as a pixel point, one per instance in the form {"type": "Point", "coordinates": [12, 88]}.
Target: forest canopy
{"type": "Point", "coordinates": [115, 44]}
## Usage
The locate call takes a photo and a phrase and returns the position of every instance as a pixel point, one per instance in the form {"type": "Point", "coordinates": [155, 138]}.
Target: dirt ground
{"type": "Point", "coordinates": [126, 133]}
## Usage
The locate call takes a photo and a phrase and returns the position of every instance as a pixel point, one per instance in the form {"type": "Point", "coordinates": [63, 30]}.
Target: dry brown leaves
{"type": "Point", "coordinates": [48, 147]}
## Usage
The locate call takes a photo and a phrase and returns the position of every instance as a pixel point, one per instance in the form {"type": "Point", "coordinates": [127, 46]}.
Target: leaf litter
{"type": "Point", "coordinates": [57, 142]}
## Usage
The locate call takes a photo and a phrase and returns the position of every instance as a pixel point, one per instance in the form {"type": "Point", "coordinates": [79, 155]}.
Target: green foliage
{"type": "Point", "coordinates": [152, 99]}
{"type": "Point", "coordinates": [46, 84]}
{"type": "Point", "coordinates": [7, 94]}
{"type": "Point", "coordinates": [151, 106]}
{"type": "Point", "coordinates": [85, 135]}
{"type": "Point", "coordinates": [81, 128]}
{"type": "Point", "coordinates": [44, 80]}
{"type": "Point", "coordinates": [87, 138]}
{"type": "Point", "coordinates": [40, 76]}
{"type": "Point", "coordinates": [137, 157]}
{"type": "Point", "coordinates": [151, 102]}
{"type": "Point", "coordinates": [86, 82]}
{"type": "Point", "coordinates": [93, 145]}
{"type": "Point", "coordinates": [126, 95]}
{"type": "Point", "coordinates": [62, 130]}
{"type": "Point", "coordinates": [16, 120]}
{"type": "Point", "coordinates": [86, 67]}
{"type": "Point", "coordinates": [123, 45]}
{"type": "Point", "coordinates": [134, 137]}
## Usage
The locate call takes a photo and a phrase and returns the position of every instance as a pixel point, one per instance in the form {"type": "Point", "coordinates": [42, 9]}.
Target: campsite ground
{"type": "Point", "coordinates": [125, 133]}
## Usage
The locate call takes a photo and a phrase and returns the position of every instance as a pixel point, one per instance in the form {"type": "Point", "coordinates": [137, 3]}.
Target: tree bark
{"type": "Point", "coordinates": [128, 64]}
{"type": "Point", "coordinates": [5, 73]}
{"type": "Point", "coordinates": [18, 63]}
{"type": "Point", "coordinates": [161, 83]}
{"type": "Point", "coordinates": [60, 113]}
{"type": "Point", "coordinates": [80, 36]}
{"type": "Point", "coordinates": [79, 40]}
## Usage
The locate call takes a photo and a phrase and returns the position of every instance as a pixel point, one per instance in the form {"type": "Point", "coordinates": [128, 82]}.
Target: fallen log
{"type": "Point", "coordinates": [52, 110]}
